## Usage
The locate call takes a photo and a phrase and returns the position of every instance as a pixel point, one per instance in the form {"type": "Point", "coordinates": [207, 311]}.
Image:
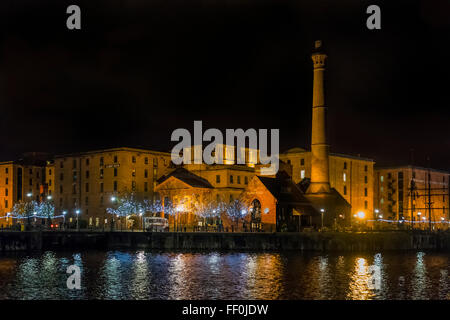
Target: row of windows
{"type": "Point", "coordinates": [115, 187]}
{"type": "Point", "coordinates": [101, 161]}
{"type": "Point", "coordinates": [365, 191]}
{"type": "Point", "coordinates": [344, 178]}
{"type": "Point", "coordinates": [232, 179]}
{"type": "Point", "coordinates": [115, 174]}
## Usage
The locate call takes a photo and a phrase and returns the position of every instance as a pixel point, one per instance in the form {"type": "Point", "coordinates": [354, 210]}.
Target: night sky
{"type": "Point", "coordinates": [138, 69]}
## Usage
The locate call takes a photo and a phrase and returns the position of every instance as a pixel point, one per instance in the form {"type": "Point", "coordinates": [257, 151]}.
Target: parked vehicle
{"type": "Point", "coordinates": [156, 224]}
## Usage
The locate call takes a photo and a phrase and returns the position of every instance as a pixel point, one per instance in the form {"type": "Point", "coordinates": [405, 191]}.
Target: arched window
{"type": "Point", "coordinates": [255, 223]}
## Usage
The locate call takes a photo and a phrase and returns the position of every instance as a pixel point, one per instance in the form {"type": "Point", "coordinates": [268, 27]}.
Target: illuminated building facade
{"type": "Point", "coordinates": [396, 200]}
{"type": "Point", "coordinates": [19, 180]}
{"type": "Point", "coordinates": [87, 181]}
{"type": "Point", "coordinates": [352, 177]}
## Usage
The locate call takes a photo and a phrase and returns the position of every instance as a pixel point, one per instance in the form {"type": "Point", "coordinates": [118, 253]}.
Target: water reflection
{"type": "Point", "coordinates": [233, 275]}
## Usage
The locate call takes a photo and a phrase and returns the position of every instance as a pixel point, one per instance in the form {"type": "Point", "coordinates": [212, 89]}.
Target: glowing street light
{"type": "Point", "coordinates": [321, 213]}
{"type": "Point", "coordinates": [361, 214]}
{"type": "Point", "coordinates": [29, 194]}
{"type": "Point", "coordinates": [49, 197]}
{"type": "Point", "coordinates": [376, 210]}
{"type": "Point", "coordinates": [380, 216]}
{"type": "Point", "coordinates": [113, 198]}
{"type": "Point", "coordinates": [78, 213]}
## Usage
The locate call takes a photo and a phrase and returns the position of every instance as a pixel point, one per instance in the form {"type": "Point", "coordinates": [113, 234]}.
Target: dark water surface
{"type": "Point", "coordinates": [213, 275]}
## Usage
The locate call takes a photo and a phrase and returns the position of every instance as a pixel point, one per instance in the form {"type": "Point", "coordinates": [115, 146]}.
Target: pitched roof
{"type": "Point", "coordinates": [187, 177]}
{"type": "Point", "coordinates": [284, 189]}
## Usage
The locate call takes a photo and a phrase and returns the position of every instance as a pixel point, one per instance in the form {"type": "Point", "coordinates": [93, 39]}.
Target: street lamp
{"type": "Point", "coordinates": [321, 213]}
{"type": "Point", "coordinates": [78, 213]}
{"type": "Point", "coordinates": [142, 216]}
{"type": "Point", "coordinates": [29, 194]}
{"type": "Point", "coordinates": [49, 197]}
{"type": "Point", "coordinates": [64, 217]}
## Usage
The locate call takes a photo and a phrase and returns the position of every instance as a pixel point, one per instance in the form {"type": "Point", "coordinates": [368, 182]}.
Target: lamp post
{"type": "Point", "coordinates": [142, 218]}
{"type": "Point", "coordinates": [78, 213]}
{"type": "Point", "coordinates": [418, 218]}
{"type": "Point", "coordinates": [321, 213]}
{"type": "Point", "coordinates": [64, 219]}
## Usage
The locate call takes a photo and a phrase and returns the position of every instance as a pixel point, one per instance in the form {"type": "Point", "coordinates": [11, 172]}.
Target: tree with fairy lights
{"type": "Point", "coordinates": [207, 210]}
{"type": "Point", "coordinates": [236, 210]}
{"type": "Point", "coordinates": [125, 205]}
{"type": "Point", "coordinates": [46, 209]}
{"type": "Point", "coordinates": [25, 210]}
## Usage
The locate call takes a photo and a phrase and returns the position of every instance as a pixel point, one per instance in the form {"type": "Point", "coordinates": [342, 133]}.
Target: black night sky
{"type": "Point", "coordinates": [138, 69]}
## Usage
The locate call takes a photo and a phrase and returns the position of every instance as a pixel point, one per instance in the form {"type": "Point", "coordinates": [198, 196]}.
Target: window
{"type": "Point", "coordinates": [31, 171]}
{"type": "Point", "coordinates": [6, 170]}
{"type": "Point", "coordinates": [74, 163]}
{"type": "Point", "coordinates": [145, 173]}
{"type": "Point", "coordinates": [61, 176]}
{"type": "Point", "coordinates": [389, 175]}
{"type": "Point", "coordinates": [101, 173]}
{"type": "Point", "coordinates": [218, 178]}
{"type": "Point", "coordinates": [381, 178]}
{"type": "Point", "coordinates": [302, 162]}
{"type": "Point", "coordinates": [49, 172]}
{"type": "Point", "coordinates": [231, 178]}
{"type": "Point", "coordinates": [345, 190]}
{"type": "Point", "coordinates": [87, 174]}
{"type": "Point", "coordinates": [146, 160]}
{"type": "Point", "coordinates": [31, 182]}
{"type": "Point", "coordinates": [101, 187]}
{"type": "Point", "coordinates": [345, 165]}
{"type": "Point", "coordinates": [115, 186]}
{"type": "Point", "coordinates": [115, 172]}
{"type": "Point", "coordinates": [231, 198]}
{"type": "Point", "coordinates": [133, 173]}
{"type": "Point", "coordinates": [50, 182]}
{"type": "Point", "coordinates": [365, 168]}
{"type": "Point", "coordinates": [86, 201]}
{"type": "Point", "coordinates": [6, 203]}
{"type": "Point", "coordinates": [87, 161]}
{"type": "Point", "coordinates": [344, 177]}
{"type": "Point", "coordinates": [133, 159]}
{"type": "Point", "coordinates": [155, 162]}
{"type": "Point", "coordinates": [115, 159]}
{"type": "Point", "coordinates": [365, 179]}
{"type": "Point", "coordinates": [6, 192]}
{"type": "Point", "coordinates": [239, 179]}
{"type": "Point", "coordinates": [133, 185]}
{"type": "Point", "coordinates": [101, 161]}
{"type": "Point", "coordinates": [302, 174]}
{"type": "Point", "coordinates": [366, 204]}
{"type": "Point", "coordinates": [6, 181]}
{"type": "Point", "coordinates": [74, 176]}
{"type": "Point", "coordinates": [87, 187]}
{"type": "Point", "coordinates": [246, 180]}
{"type": "Point", "coordinates": [365, 192]}
{"type": "Point", "coordinates": [60, 189]}
{"type": "Point", "coordinates": [37, 174]}
{"type": "Point", "coordinates": [382, 201]}
{"type": "Point", "coordinates": [414, 174]}
{"type": "Point", "coordinates": [61, 164]}
{"type": "Point", "coordinates": [145, 186]}
{"type": "Point", "coordinates": [74, 189]}
{"type": "Point", "coordinates": [381, 189]}
{"type": "Point", "coordinates": [60, 202]}
{"type": "Point", "coordinates": [289, 161]}
{"type": "Point", "coordinates": [101, 201]}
